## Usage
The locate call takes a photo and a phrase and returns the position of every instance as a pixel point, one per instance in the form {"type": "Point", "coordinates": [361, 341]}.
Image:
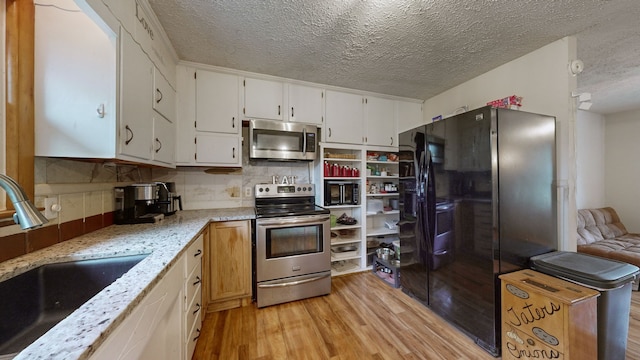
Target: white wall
{"type": "Point", "coordinates": [621, 167]}
{"type": "Point", "coordinates": [590, 153]}
{"type": "Point", "coordinates": [543, 80]}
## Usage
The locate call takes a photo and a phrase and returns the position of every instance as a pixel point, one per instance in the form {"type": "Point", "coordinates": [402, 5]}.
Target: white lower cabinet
{"type": "Point", "coordinates": [166, 323]}
{"type": "Point", "coordinates": [193, 307]}
{"type": "Point", "coordinates": [152, 330]}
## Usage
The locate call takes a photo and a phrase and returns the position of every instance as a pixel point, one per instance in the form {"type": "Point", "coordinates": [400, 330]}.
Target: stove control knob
{"type": "Point", "coordinates": [298, 188]}
{"type": "Point", "coordinates": [267, 189]}
{"type": "Point", "coordinates": [304, 188]}
{"type": "Point", "coordinates": [260, 189]}
{"type": "Point", "coordinates": [309, 188]}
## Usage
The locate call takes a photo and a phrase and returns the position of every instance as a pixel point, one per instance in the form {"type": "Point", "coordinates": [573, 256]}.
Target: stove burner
{"type": "Point", "coordinates": [273, 200]}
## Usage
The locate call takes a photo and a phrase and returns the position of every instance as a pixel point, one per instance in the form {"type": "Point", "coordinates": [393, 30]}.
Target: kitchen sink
{"type": "Point", "coordinates": [35, 301]}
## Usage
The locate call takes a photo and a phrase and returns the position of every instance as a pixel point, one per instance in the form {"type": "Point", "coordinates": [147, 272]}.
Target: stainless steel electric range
{"type": "Point", "coordinates": [292, 238]}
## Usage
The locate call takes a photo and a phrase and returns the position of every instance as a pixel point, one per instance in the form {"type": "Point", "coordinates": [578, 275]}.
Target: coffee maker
{"type": "Point", "coordinates": [145, 203]}
{"type": "Point", "coordinates": [135, 204]}
{"type": "Point", "coordinates": [167, 198]}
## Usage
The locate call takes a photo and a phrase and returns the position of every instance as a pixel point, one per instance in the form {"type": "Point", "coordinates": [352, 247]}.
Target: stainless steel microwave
{"type": "Point", "coordinates": [279, 140]}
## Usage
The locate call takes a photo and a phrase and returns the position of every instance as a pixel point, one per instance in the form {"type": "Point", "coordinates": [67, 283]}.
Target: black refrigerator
{"type": "Point", "coordinates": [477, 199]}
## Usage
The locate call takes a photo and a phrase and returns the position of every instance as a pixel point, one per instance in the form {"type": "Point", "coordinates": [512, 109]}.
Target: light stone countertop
{"type": "Point", "coordinates": [78, 335]}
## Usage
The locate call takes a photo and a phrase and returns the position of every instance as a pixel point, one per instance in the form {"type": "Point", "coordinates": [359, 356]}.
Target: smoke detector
{"type": "Point", "coordinates": [576, 67]}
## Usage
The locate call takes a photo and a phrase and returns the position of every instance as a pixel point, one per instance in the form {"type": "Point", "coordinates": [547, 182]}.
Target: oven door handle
{"type": "Point", "coordinates": [294, 283]}
{"type": "Point", "coordinates": [307, 219]}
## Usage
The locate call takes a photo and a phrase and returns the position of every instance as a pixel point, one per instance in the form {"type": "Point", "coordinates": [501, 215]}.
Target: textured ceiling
{"type": "Point", "coordinates": [408, 48]}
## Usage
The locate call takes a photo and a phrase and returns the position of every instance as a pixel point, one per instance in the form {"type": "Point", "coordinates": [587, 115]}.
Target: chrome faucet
{"type": "Point", "coordinates": [26, 215]}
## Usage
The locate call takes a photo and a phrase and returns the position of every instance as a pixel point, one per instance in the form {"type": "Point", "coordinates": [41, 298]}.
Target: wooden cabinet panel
{"type": "Point", "coordinates": [228, 273]}
{"type": "Point", "coordinates": [546, 317]}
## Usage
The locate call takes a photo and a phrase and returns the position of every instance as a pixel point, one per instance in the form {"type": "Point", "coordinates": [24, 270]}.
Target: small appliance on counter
{"type": "Point", "coordinates": [145, 203]}
{"type": "Point", "coordinates": [167, 198]}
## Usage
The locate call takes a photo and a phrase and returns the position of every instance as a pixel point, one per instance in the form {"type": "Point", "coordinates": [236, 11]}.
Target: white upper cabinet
{"type": "Point", "coordinates": [164, 100]}
{"type": "Point", "coordinates": [217, 102]}
{"type": "Point", "coordinates": [263, 99]}
{"type": "Point", "coordinates": [75, 84]}
{"type": "Point", "coordinates": [164, 140]}
{"type": "Point", "coordinates": [380, 122]}
{"type": "Point", "coordinates": [218, 150]}
{"type": "Point", "coordinates": [344, 118]}
{"type": "Point", "coordinates": [306, 104]}
{"type": "Point", "coordinates": [354, 119]}
{"type": "Point", "coordinates": [208, 125]}
{"type": "Point", "coordinates": [409, 114]}
{"type": "Point", "coordinates": [136, 79]}
{"type": "Point", "coordinates": [96, 89]}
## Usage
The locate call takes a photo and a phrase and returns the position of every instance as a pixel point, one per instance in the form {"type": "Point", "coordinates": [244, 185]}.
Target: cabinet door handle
{"type": "Point", "coordinates": [278, 109]}
{"type": "Point", "coordinates": [128, 129]}
{"type": "Point", "coordinates": [159, 143]}
{"type": "Point", "coordinates": [196, 310]}
{"type": "Point", "coordinates": [391, 140]}
{"type": "Point", "coordinates": [234, 152]}
{"type": "Point", "coordinates": [198, 253]}
{"type": "Point", "coordinates": [233, 122]}
{"type": "Point", "coordinates": [100, 111]}
{"type": "Point", "coordinates": [292, 111]}
{"type": "Point", "coordinates": [158, 99]}
{"type": "Point", "coordinates": [329, 132]}
{"type": "Point", "coordinates": [198, 281]}
{"type": "Point", "coordinates": [197, 336]}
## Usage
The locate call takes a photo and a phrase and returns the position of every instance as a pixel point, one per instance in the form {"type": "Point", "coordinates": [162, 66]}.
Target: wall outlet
{"type": "Point", "coordinates": [51, 207]}
{"type": "Point", "coordinates": [247, 191]}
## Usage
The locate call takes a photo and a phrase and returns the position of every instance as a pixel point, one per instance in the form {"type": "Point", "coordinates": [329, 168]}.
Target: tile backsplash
{"type": "Point", "coordinates": [84, 193]}
{"type": "Point", "coordinates": [200, 188]}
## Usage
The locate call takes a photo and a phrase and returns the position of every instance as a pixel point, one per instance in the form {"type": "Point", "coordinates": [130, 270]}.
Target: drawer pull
{"type": "Point", "coordinates": [196, 310]}
{"type": "Point", "coordinates": [197, 336]}
{"type": "Point", "coordinates": [198, 281]}
{"type": "Point", "coordinates": [198, 253]}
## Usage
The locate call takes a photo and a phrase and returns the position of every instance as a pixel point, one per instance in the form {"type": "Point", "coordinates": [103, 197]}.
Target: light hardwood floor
{"type": "Point", "coordinates": [362, 318]}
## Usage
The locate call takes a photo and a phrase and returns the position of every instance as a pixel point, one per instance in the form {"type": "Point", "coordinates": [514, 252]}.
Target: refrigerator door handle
{"type": "Point", "coordinates": [420, 184]}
